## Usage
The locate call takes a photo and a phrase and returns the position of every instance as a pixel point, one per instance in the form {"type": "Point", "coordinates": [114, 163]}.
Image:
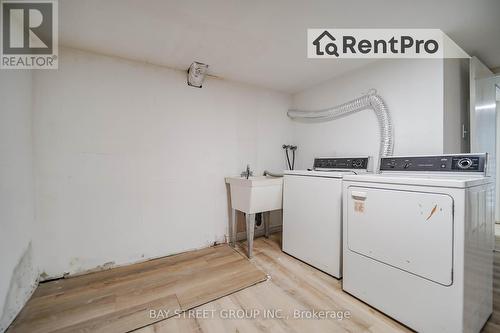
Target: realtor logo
{"type": "Point", "coordinates": [29, 34]}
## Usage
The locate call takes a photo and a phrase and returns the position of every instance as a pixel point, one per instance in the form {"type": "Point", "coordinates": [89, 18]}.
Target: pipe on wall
{"type": "Point", "coordinates": [368, 101]}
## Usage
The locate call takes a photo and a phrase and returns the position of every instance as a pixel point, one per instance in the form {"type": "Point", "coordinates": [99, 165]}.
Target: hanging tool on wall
{"type": "Point", "coordinates": [291, 165]}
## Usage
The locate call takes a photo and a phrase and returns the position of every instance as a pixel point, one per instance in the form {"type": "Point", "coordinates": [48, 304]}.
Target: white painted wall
{"type": "Point", "coordinates": [484, 121]}
{"type": "Point", "coordinates": [130, 161]}
{"type": "Point", "coordinates": [456, 106]}
{"type": "Point", "coordinates": [18, 272]}
{"type": "Point", "coordinates": [413, 91]}
{"type": "Point", "coordinates": [497, 147]}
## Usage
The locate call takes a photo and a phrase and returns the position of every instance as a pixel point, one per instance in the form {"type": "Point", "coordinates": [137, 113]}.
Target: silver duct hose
{"type": "Point", "coordinates": [369, 101]}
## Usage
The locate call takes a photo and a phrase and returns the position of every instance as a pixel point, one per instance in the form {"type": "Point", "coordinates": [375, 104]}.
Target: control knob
{"type": "Point", "coordinates": [464, 163]}
{"type": "Point", "coordinates": [357, 163]}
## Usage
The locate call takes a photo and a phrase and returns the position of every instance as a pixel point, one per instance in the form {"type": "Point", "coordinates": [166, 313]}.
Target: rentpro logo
{"type": "Point", "coordinates": [381, 43]}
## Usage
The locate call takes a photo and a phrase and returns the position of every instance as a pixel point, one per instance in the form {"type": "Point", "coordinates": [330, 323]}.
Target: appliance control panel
{"type": "Point", "coordinates": [334, 163]}
{"type": "Point", "coordinates": [449, 163]}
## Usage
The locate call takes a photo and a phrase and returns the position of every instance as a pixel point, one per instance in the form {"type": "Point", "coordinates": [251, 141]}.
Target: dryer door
{"type": "Point", "coordinates": [411, 231]}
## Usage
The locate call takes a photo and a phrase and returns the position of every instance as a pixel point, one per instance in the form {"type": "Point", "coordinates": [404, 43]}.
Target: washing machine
{"type": "Point", "coordinates": [312, 221]}
{"type": "Point", "coordinates": [419, 240]}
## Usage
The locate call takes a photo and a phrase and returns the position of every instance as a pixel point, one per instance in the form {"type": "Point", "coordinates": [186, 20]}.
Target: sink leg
{"type": "Point", "coordinates": [266, 217]}
{"type": "Point", "coordinates": [250, 222]}
{"type": "Point", "coordinates": [233, 227]}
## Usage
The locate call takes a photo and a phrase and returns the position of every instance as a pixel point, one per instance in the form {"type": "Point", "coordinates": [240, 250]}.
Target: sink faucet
{"type": "Point", "coordinates": [247, 173]}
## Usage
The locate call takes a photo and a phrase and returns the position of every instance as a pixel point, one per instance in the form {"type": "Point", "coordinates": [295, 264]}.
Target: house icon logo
{"type": "Point", "coordinates": [325, 43]}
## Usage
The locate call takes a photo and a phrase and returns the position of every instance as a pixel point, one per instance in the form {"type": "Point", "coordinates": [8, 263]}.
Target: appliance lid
{"type": "Point", "coordinates": [314, 173]}
{"type": "Point", "coordinates": [422, 179]}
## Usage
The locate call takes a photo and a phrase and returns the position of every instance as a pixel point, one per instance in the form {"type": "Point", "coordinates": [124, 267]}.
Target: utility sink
{"type": "Point", "coordinates": [256, 194]}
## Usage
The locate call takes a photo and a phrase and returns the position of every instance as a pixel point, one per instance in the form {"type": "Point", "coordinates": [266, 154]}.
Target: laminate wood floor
{"type": "Point", "coordinates": [121, 299]}
{"type": "Point", "coordinates": [493, 324]}
{"type": "Point", "coordinates": [294, 285]}
{"type": "Point", "coordinates": [262, 307]}
{"type": "Point", "coordinates": [497, 236]}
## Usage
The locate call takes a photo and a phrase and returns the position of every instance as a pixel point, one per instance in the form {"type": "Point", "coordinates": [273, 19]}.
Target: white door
{"type": "Point", "coordinates": [411, 231]}
{"type": "Point", "coordinates": [312, 221]}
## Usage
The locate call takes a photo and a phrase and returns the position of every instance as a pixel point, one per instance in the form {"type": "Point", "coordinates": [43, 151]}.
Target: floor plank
{"type": "Point", "coordinates": [497, 236]}
{"type": "Point", "coordinates": [294, 285]}
{"type": "Point", "coordinates": [493, 324]}
{"type": "Point", "coordinates": [120, 299]}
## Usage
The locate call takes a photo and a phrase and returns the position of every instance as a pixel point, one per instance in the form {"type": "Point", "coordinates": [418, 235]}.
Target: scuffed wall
{"type": "Point", "coordinates": [18, 271]}
{"type": "Point", "coordinates": [22, 284]}
{"type": "Point", "coordinates": [131, 162]}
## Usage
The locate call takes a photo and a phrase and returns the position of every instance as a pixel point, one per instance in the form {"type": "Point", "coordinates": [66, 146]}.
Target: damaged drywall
{"type": "Point", "coordinates": [22, 285]}
{"type": "Point", "coordinates": [18, 272]}
{"type": "Point", "coordinates": [120, 192]}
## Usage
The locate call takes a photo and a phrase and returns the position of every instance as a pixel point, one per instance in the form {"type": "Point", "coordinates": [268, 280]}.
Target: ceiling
{"type": "Point", "coordinates": [263, 42]}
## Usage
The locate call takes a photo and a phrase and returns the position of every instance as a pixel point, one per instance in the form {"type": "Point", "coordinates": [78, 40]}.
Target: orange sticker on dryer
{"type": "Point", "coordinates": [359, 206]}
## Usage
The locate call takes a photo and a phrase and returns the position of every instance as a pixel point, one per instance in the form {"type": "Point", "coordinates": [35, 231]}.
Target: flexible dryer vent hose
{"type": "Point", "coordinates": [369, 101]}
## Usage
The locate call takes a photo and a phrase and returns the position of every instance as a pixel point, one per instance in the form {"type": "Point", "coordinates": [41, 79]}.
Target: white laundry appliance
{"type": "Point", "coordinates": [312, 220]}
{"type": "Point", "coordinates": [419, 239]}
